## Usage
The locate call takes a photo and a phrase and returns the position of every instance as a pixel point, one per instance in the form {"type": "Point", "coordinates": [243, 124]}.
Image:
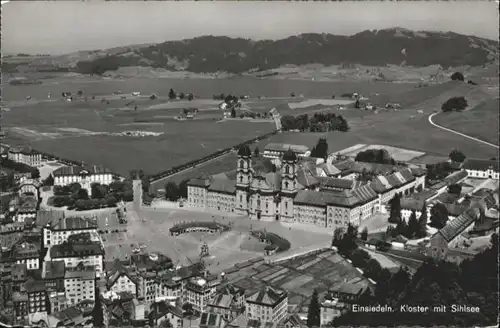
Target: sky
{"type": "Point", "coordinates": [65, 26]}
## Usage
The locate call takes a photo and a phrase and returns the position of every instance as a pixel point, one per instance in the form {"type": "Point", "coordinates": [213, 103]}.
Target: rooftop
{"type": "Point", "coordinates": [77, 170]}
{"type": "Point", "coordinates": [279, 147]}
{"type": "Point", "coordinates": [480, 164]}
{"type": "Point", "coordinates": [267, 296]}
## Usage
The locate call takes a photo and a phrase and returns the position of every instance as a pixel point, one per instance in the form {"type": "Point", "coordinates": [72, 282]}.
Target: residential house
{"type": "Point", "coordinates": [212, 320]}
{"type": "Point", "coordinates": [29, 187]}
{"type": "Point", "coordinates": [26, 253]}
{"type": "Point", "coordinates": [267, 304]}
{"type": "Point", "coordinates": [37, 296]}
{"type": "Point", "coordinates": [228, 302]}
{"type": "Point", "coordinates": [339, 299]}
{"type": "Point", "coordinates": [162, 311]}
{"type": "Point", "coordinates": [199, 292]}
{"type": "Point", "coordinates": [120, 279]}
{"type": "Point", "coordinates": [22, 208]}
{"type": "Point", "coordinates": [293, 321]}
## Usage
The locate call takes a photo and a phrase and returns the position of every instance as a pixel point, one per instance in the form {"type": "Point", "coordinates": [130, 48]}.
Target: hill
{"type": "Point", "coordinates": [208, 54]}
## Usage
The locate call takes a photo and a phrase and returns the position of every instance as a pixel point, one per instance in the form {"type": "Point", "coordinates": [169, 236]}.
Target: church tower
{"type": "Point", "coordinates": [243, 178]}
{"type": "Point", "coordinates": [288, 184]}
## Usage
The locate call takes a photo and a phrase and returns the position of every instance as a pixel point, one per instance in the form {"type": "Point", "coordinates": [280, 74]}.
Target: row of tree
{"type": "Point", "coordinates": [20, 168]}
{"type": "Point", "coordinates": [76, 197]}
{"type": "Point", "coordinates": [174, 191]}
{"type": "Point", "coordinates": [379, 156]}
{"type": "Point", "coordinates": [319, 122]}
{"type": "Point", "coordinates": [172, 95]}
{"type": "Point", "coordinates": [472, 283]}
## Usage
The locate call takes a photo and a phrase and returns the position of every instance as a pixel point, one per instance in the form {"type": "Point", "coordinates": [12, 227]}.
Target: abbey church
{"type": "Point", "coordinates": [295, 194]}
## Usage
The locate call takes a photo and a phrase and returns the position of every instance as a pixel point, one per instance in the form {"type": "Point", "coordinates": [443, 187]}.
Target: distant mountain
{"type": "Point", "coordinates": [208, 54]}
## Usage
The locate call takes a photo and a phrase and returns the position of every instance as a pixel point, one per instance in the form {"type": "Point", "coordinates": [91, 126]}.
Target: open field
{"type": "Point", "coordinates": [80, 131]}
{"type": "Point", "coordinates": [399, 154]}
{"type": "Point", "coordinates": [299, 276]}
{"type": "Point", "coordinates": [202, 88]}
{"type": "Point", "coordinates": [40, 123]}
{"type": "Point", "coordinates": [480, 122]}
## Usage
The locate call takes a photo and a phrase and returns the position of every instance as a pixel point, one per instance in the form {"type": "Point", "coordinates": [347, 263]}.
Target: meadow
{"type": "Point", "coordinates": [41, 122]}
{"type": "Point", "coordinates": [480, 121]}
{"type": "Point", "coordinates": [202, 88]}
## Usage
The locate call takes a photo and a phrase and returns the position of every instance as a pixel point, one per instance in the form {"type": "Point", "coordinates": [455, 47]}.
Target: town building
{"type": "Point", "coordinates": [26, 253]}
{"type": "Point", "coordinates": [84, 175]}
{"type": "Point", "coordinates": [199, 292]}
{"type": "Point", "coordinates": [57, 231]}
{"type": "Point", "coordinates": [228, 302]}
{"type": "Point", "coordinates": [275, 151]}
{"type": "Point", "coordinates": [482, 168]}
{"type": "Point", "coordinates": [25, 155]}
{"type": "Point", "coordinates": [76, 251]}
{"type": "Point", "coordinates": [79, 284]}
{"type": "Point", "coordinates": [163, 311]}
{"type": "Point", "coordinates": [267, 304]}
{"type": "Point", "coordinates": [120, 280]}
{"type": "Point", "coordinates": [53, 275]}
{"type": "Point", "coordinates": [339, 298]}
{"type": "Point", "coordinates": [23, 208]}
{"type": "Point", "coordinates": [120, 309]}
{"type": "Point", "coordinates": [29, 187]}
{"type": "Point", "coordinates": [454, 235]}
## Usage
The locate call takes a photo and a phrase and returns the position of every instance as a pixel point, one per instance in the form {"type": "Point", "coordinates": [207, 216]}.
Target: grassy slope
{"type": "Point", "coordinates": [480, 122]}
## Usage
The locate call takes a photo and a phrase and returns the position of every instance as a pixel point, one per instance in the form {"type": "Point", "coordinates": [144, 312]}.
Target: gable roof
{"type": "Point", "coordinates": [223, 185]}
{"type": "Point", "coordinates": [336, 183]}
{"type": "Point", "coordinates": [73, 223]}
{"type": "Point", "coordinates": [457, 226]}
{"type": "Point", "coordinates": [480, 164]}
{"type": "Point", "coordinates": [279, 147]}
{"type": "Point", "coordinates": [267, 295]}
{"type": "Point", "coordinates": [76, 170]}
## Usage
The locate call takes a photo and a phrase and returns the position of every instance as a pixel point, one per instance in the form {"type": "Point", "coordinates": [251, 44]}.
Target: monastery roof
{"type": "Point", "coordinates": [202, 183]}
{"type": "Point", "coordinates": [329, 168]}
{"type": "Point", "coordinates": [336, 183]}
{"type": "Point", "coordinates": [76, 170]}
{"type": "Point", "coordinates": [480, 164]}
{"type": "Point", "coordinates": [279, 147]}
{"type": "Point", "coordinates": [223, 185]}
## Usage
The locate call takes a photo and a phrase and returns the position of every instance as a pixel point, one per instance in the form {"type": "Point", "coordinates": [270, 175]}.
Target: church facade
{"type": "Point", "coordinates": [286, 196]}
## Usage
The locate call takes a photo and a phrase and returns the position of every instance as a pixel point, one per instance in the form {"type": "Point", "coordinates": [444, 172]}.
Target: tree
{"type": "Point", "coordinates": [413, 225]}
{"type": "Point", "coordinates": [233, 112]}
{"type": "Point", "coordinates": [182, 188]}
{"type": "Point", "coordinates": [454, 103]}
{"type": "Point", "coordinates": [74, 187]}
{"type": "Point", "coordinates": [79, 93]}
{"type": "Point", "coordinates": [457, 76]}
{"type": "Point", "coordinates": [145, 183]}
{"type": "Point", "coordinates": [457, 156]}
{"type": "Point", "coordinates": [401, 228]}
{"type": "Point", "coordinates": [439, 216]}
{"type": "Point", "coordinates": [49, 181]}
{"type": "Point", "coordinates": [357, 105]}
{"type": "Point", "coordinates": [97, 191]}
{"type": "Point", "coordinates": [97, 313]}
{"type": "Point", "coordinates": [422, 222]}
{"type": "Point", "coordinates": [187, 308]}
{"type": "Point", "coordinates": [321, 149]}
{"type": "Point", "coordinates": [455, 189]}
{"type": "Point", "coordinates": [190, 96]}
{"type": "Point", "coordinates": [182, 95]}
{"type": "Point", "coordinates": [395, 209]}
{"type": "Point", "coordinates": [364, 234]}
{"type": "Point", "coordinates": [82, 194]}
{"type": "Point", "coordinates": [171, 191]}
{"type": "Point", "coordinates": [256, 152]}
{"type": "Point", "coordinates": [171, 94]}
{"type": "Point", "coordinates": [380, 156]}
{"type": "Point", "coordinates": [35, 173]}
{"type": "Point", "coordinates": [314, 311]}
{"type": "Point", "coordinates": [111, 201]}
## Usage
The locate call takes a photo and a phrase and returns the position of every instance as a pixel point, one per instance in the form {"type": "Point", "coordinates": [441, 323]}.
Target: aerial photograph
{"type": "Point", "coordinates": [223, 164]}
